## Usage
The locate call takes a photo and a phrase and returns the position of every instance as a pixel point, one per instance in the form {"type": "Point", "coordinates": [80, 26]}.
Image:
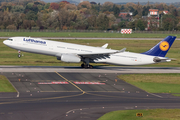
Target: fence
{"type": "Point", "coordinates": [92, 31]}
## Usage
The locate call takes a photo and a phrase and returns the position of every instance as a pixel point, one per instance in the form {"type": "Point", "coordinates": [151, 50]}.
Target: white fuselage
{"type": "Point", "coordinates": [54, 48]}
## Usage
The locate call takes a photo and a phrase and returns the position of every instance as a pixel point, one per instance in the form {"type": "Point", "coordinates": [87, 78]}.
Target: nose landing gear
{"type": "Point", "coordinates": [19, 53]}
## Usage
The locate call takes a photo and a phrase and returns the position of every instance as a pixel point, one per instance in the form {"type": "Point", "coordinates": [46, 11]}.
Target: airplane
{"type": "Point", "coordinates": [75, 53]}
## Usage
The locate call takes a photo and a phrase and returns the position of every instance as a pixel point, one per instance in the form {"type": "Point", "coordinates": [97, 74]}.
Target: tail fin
{"type": "Point", "coordinates": [162, 47]}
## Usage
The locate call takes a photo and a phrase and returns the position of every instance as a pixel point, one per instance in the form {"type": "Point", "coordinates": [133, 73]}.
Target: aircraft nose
{"type": "Point", "coordinates": [5, 42]}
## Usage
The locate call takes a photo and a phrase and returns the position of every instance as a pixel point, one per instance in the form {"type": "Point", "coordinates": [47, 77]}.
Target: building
{"type": "Point", "coordinates": [124, 15]}
{"type": "Point", "coordinates": [165, 12]}
{"type": "Point", "coordinates": [153, 18]}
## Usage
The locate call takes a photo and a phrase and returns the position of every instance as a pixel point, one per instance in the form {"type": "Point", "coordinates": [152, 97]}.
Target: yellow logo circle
{"type": "Point", "coordinates": [164, 46]}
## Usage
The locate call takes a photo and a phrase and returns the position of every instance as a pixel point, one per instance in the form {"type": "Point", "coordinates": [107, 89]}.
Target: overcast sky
{"type": "Point", "coordinates": [117, 1]}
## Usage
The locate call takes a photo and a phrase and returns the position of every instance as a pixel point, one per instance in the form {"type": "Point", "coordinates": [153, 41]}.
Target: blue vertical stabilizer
{"type": "Point", "coordinates": [162, 47]}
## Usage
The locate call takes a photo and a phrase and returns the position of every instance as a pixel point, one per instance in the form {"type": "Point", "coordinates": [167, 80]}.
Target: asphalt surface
{"type": "Point", "coordinates": [96, 69]}
{"type": "Point", "coordinates": [60, 96]}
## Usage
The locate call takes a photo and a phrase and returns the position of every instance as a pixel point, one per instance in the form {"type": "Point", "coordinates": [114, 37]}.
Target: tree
{"type": "Point", "coordinates": [122, 8]}
{"type": "Point", "coordinates": [135, 13]}
{"type": "Point", "coordinates": [70, 7]}
{"type": "Point", "coordinates": [17, 19]}
{"type": "Point", "coordinates": [122, 24]}
{"type": "Point", "coordinates": [132, 25]}
{"type": "Point", "coordinates": [18, 8]}
{"type": "Point", "coordinates": [6, 19]}
{"type": "Point", "coordinates": [92, 21]}
{"type": "Point", "coordinates": [174, 12]}
{"type": "Point", "coordinates": [85, 4]}
{"type": "Point", "coordinates": [131, 9]}
{"type": "Point", "coordinates": [145, 11]}
{"type": "Point", "coordinates": [28, 7]}
{"type": "Point", "coordinates": [169, 22]}
{"type": "Point", "coordinates": [28, 24]}
{"type": "Point", "coordinates": [42, 20]}
{"type": "Point", "coordinates": [107, 6]}
{"type": "Point", "coordinates": [47, 6]}
{"type": "Point", "coordinates": [31, 15]}
{"type": "Point", "coordinates": [116, 11]}
{"type": "Point", "coordinates": [54, 6]}
{"type": "Point", "coordinates": [95, 9]}
{"type": "Point", "coordinates": [102, 21]}
{"type": "Point", "coordinates": [64, 18]}
{"type": "Point", "coordinates": [31, 7]}
{"type": "Point", "coordinates": [62, 4]}
{"type": "Point", "coordinates": [81, 22]}
{"type": "Point", "coordinates": [52, 21]}
{"type": "Point", "coordinates": [112, 19]}
{"type": "Point", "coordinates": [140, 25]}
{"type": "Point", "coordinates": [11, 27]}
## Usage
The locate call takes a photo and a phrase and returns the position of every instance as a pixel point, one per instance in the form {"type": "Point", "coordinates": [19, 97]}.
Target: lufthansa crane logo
{"type": "Point", "coordinates": [164, 46]}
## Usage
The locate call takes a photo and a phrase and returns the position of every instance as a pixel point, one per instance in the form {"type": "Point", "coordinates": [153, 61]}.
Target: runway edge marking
{"type": "Point", "coordinates": [156, 95]}
{"type": "Point", "coordinates": [70, 82]}
{"type": "Point", "coordinates": [14, 87]}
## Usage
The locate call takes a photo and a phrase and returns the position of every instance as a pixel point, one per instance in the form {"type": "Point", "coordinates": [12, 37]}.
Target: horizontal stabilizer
{"type": "Point", "coordinates": [157, 59]}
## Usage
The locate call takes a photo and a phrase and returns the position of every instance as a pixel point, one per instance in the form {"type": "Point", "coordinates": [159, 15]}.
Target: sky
{"type": "Point", "coordinates": [117, 1]}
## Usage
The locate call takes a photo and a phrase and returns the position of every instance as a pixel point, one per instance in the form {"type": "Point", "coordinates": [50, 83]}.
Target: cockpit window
{"type": "Point", "coordinates": [10, 39]}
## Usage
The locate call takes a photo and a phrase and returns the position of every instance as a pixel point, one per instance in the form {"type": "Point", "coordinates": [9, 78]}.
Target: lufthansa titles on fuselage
{"type": "Point", "coordinates": [34, 41]}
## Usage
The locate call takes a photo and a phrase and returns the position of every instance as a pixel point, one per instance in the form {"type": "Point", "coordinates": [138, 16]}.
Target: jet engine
{"type": "Point", "coordinates": [69, 58]}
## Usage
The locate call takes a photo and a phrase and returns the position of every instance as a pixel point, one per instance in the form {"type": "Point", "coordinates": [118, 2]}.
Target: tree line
{"type": "Point", "coordinates": [38, 15]}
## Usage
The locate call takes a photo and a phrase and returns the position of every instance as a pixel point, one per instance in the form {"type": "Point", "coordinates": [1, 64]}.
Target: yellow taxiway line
{"type": "Point", "coordinates": [70, 82]}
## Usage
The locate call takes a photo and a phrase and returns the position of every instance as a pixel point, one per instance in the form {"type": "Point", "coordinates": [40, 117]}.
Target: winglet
{"type": "Point", "coordinates": [162, 47]}
{"type": "Point", "coordinates": [122, 50]}
{"type": "Point", "coordinates": [105, 46]}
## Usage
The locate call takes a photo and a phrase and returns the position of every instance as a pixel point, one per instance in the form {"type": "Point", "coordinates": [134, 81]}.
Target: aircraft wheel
{"type": "Point", "coordinates": [86, 66]}
{"type": "Point", "coordinates": [82, 65]}
{"type": "Point", "coordinates": [90, 66]}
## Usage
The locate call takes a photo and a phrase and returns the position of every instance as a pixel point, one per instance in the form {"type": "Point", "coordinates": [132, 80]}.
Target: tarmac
{"type": "Point", "coordinates": [75, 95]}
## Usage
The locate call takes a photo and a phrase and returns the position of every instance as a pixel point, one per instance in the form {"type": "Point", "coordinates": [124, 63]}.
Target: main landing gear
{"type": "Point", "coordinates": [86, 64]}
{"type": "Point", "coordinates": [83, 65]}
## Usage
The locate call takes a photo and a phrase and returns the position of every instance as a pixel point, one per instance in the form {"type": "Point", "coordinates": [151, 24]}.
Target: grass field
{"type": "Point", "coordinates": [149, 114]}
{"type": "Point", "coordinates": [5, 85]}
{"type": "Point", "coordinates": [85, 34]}
{"type": "Point", "coordinates": [8, 56]}
{"type": "Point", "coordinates": [155, 83]}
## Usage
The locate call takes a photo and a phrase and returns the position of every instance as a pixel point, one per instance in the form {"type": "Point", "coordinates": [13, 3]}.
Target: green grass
{"type": "Point", "coordinates": [8, 56]}
{"type": "Point", "coordinates": [149, 114]}
{"type": "Point", "coordinates": [5, 85]}
{"type": "Point", "coordinates": [176, 95]}
{"type": "Point", "coordinates": [154, 83]}
{"type": "Point", "coordinates": [85, 34]}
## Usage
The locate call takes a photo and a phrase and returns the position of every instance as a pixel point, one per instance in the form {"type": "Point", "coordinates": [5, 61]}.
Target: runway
{"type": "Point", "coordinates": [97, 69]}
{"type": "Point", "coordinates": [63, 95]}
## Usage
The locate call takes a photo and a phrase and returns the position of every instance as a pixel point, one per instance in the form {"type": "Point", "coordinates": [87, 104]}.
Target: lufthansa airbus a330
{"type": "Point", "coordinates": [68, 52]}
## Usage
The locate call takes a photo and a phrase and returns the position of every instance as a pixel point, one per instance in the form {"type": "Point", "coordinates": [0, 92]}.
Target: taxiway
{"type": "Point", "coordinates": [66, 93]}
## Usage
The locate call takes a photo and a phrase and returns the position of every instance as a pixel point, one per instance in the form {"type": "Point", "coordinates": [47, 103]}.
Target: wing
{"type": "Point", "coordinates": [95, 56]}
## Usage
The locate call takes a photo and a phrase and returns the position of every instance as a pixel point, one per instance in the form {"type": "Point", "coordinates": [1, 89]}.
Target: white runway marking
{"type": "Point", "coordinates": [99, 69]}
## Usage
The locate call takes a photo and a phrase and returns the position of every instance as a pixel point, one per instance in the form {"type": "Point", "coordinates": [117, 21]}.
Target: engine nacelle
{"type": "Point", "coordinates": [69, 58]}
